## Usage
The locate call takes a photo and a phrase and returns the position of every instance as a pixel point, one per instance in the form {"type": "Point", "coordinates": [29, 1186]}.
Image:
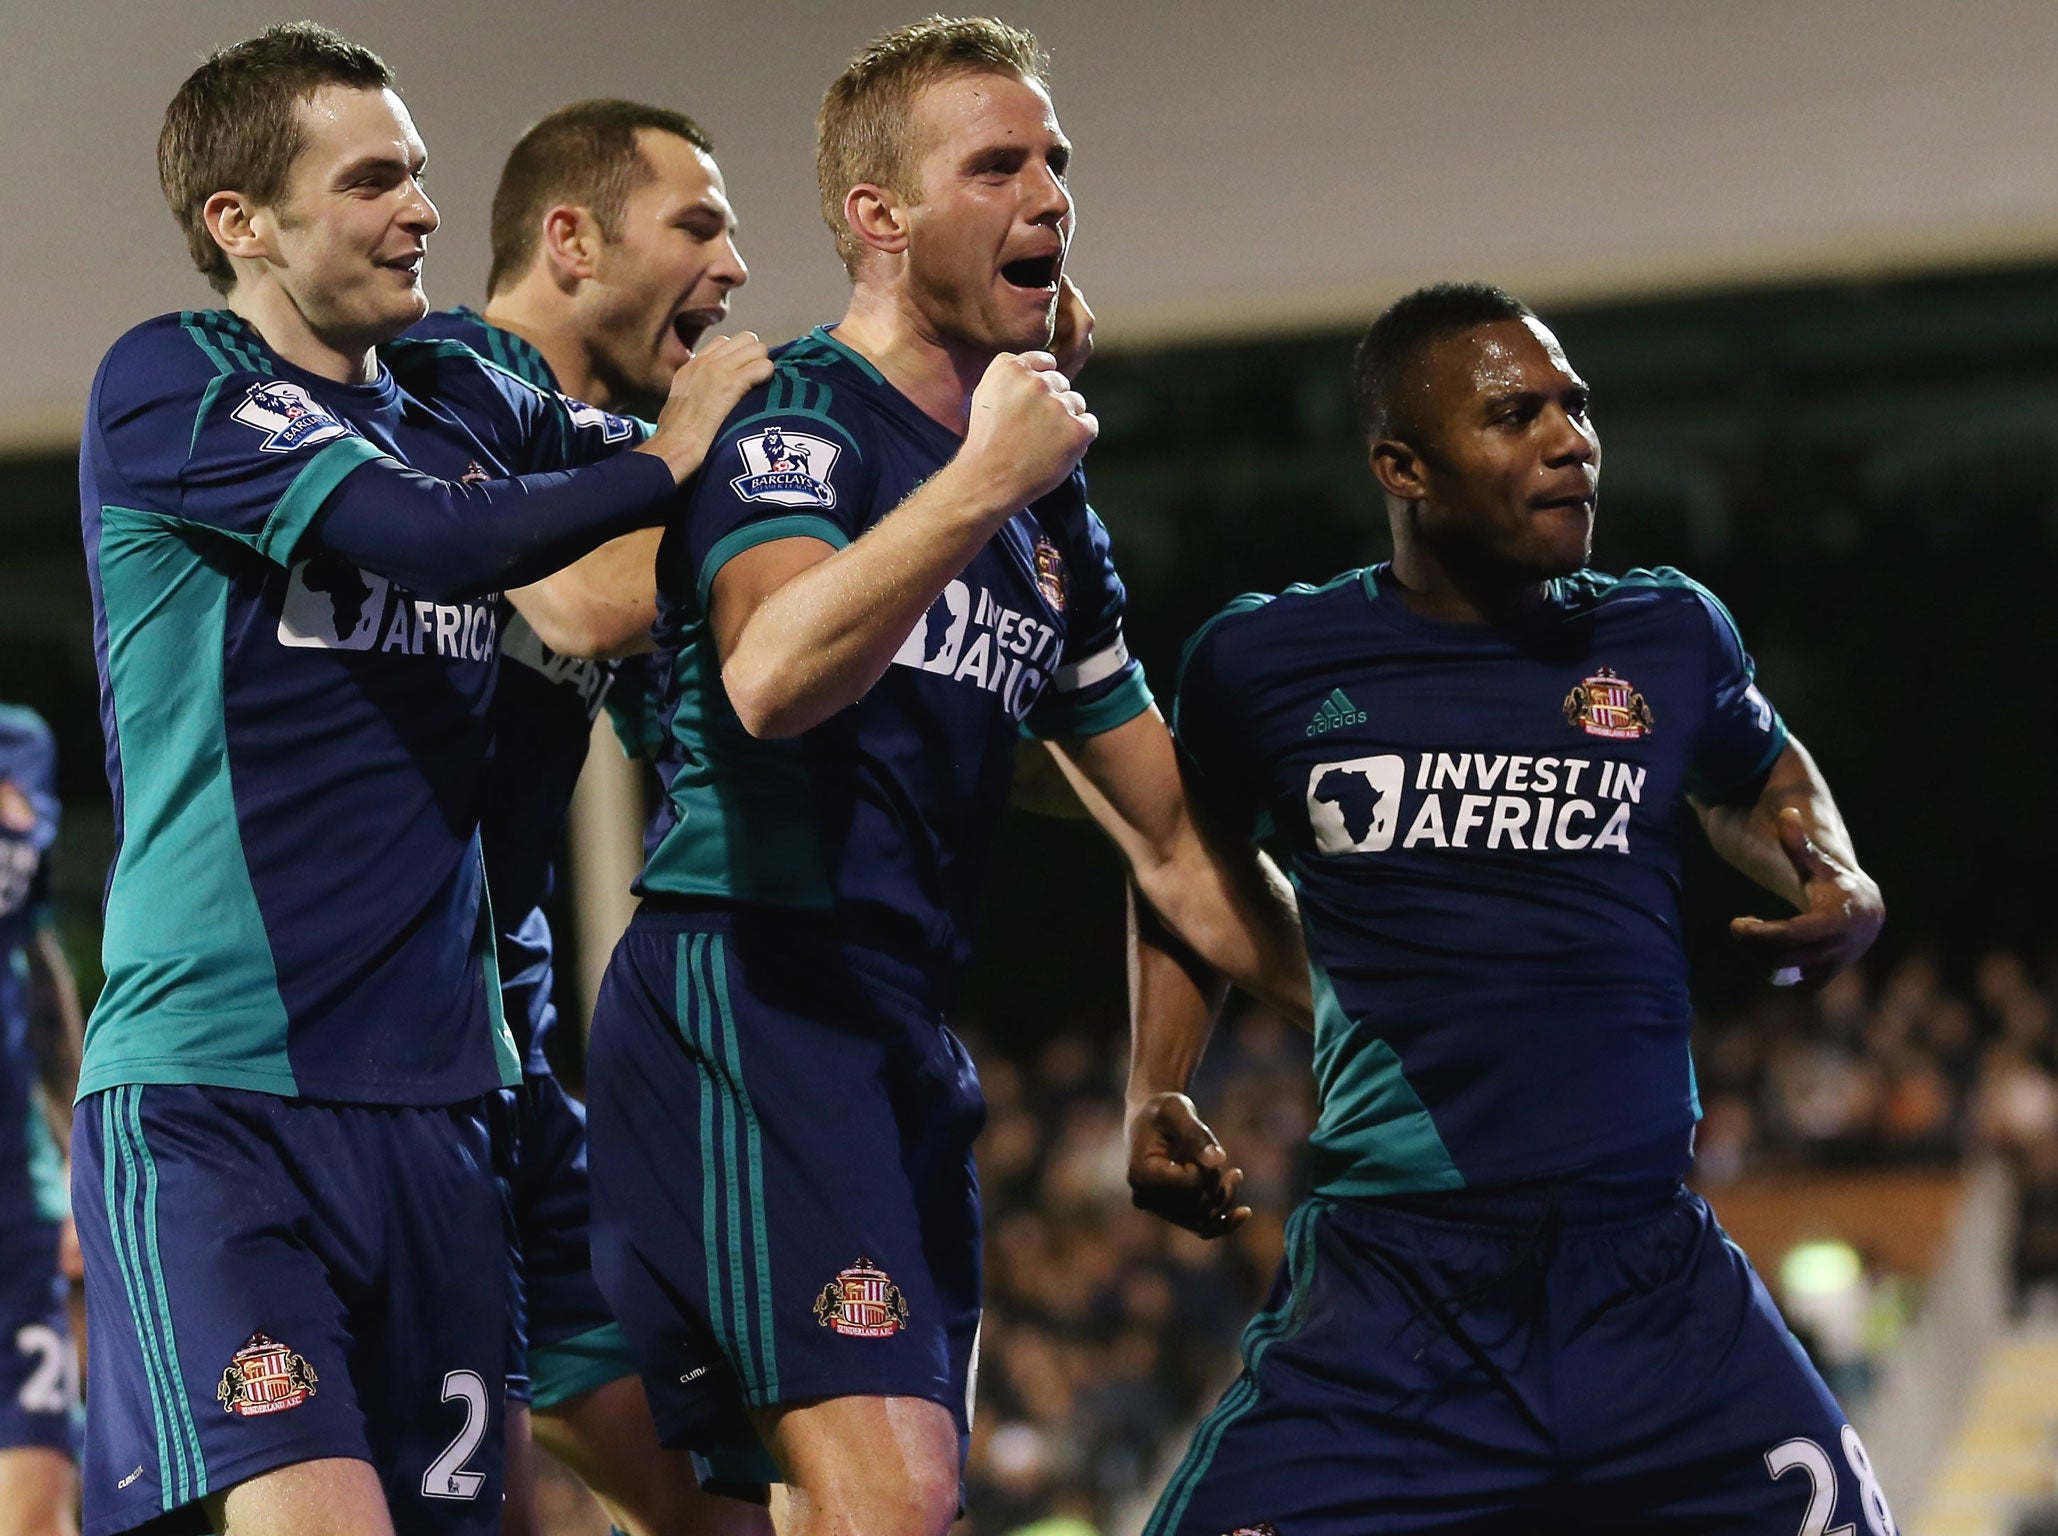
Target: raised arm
{"type": "Point", "coordinates": [604, 603]}
{"type": "Point", "coordinates": [1793, 841]}
{"type": "Point", "coordinates": [805, 629]}
{"type": "Point", "coordinates": [448, 541]}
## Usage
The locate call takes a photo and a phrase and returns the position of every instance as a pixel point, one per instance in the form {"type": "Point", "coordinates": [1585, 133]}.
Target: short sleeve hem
{"type": "Point", "coordinates": [1058, 715]}
{"type": "Point", "coordinates": [797, 526]}
{"type": "Point", "coordinates": [311, 488]}
{"type": "Point", "coordinates": [1702, 788]}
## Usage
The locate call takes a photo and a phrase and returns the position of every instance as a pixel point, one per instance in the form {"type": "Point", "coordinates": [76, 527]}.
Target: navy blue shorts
{"type": "Point", "coordinates": [784, 1204]}
{"type": "Point", "coordinates": [272, 1281]}
{"type": "Point", "coordinates": [566, 1341]}
{"type": "Point", "coordinates": [39, 1372]}
{"type": "Point", "coordinates": [1558, 1363]}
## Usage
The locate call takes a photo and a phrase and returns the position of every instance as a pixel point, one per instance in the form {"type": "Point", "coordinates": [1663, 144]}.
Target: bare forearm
{"type": "Point", "coordinates": [601, 605]}
{"type": "Point", "coordinates": [817, 643]}
{"type": "Point", "coordinates": [1238, 914]}
{"type": "Point", "coordinates": [1224, 899]}
{"type": "Point", "coordinates": [1748, 837]}
{"type": "Point", "coordinates": [1173, 999]}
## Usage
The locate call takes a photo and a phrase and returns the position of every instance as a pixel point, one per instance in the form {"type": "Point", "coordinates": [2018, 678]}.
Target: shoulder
{"type": "Point", "coordinates": [1262, 616]}
{"type": "Point", "coordinates": [161, 355]}
{"type": "Point", "coordinates": [1225, 620]}
{"type": "Point", "coordinates": [460, 325]}
{"type": "Point", "coordinates": [1661, 587]}
{"type": "Point", "coordinates": [497, 348]}
{"type": "Point", "coordinates": [818, 389]}
{"type": "Point", "coordinates": [425, 363]}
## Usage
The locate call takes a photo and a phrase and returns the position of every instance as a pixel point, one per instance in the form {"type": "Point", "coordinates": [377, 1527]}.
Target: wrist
{"type": "Point", "coordinates": [980, 485]}
{"type": "Point", "coordinates": [682, 458]}
{"type": "Point", "coordinates": [1142, 1098]}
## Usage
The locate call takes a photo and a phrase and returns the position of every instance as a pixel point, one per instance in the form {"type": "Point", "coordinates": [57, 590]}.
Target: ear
{"type": "Point", "coordinates": [572, 240]}
{"type": "Point", "coordinates": [1399, 469]}
{"type": "Point", "coordinates": [877, 217]}
{"type": "Point", "coordinates": [234, 222]}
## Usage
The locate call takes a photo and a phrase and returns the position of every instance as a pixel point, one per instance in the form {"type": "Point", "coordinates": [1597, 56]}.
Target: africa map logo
{"type": "Point", "coordinates": [332, 604]}
{"type": "Point", "coordinates": [1355, 806]}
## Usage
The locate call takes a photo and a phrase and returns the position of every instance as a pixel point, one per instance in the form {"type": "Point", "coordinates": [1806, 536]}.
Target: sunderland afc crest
{"type": "Point", "coordinates": [862, 1303]}
{"type": "Point", "coordinates": [1051, 579]}
{"type": "Point", "coordinates": [1606, 705]}
{"type": "Point", "coordinates": [264, 1376]}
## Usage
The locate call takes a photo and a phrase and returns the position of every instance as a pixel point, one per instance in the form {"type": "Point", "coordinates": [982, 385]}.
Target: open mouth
{"type": "Point", "coordinates": [692, 324]}
{"type": "Point", "coordinates": [1036, 272]}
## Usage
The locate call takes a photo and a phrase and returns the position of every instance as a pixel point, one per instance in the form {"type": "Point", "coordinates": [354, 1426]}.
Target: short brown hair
{"type": "Point", "coordinates": [861, 133]}
{"type": "Point", "coordinates": [234, 127]}
{"type": "Point", "coordinates": [585, 154]}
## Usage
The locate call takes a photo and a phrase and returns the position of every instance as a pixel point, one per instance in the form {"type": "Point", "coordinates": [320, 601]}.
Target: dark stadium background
{"type": "Point", "coordinates": [1866, 472]}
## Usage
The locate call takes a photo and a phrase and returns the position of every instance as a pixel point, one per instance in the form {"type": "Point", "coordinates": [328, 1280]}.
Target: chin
{"type": "Point", "coordinates": [405, 313]}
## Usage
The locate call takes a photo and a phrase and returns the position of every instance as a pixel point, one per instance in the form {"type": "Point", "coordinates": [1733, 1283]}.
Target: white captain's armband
{"type": "Point", "coordinates": [1097, 668]}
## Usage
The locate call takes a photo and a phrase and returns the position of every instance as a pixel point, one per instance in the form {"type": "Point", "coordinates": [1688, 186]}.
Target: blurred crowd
{"type": "Point", "coordinates": [1108, 1332]}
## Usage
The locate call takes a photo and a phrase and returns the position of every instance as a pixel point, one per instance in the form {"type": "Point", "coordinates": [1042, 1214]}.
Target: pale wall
{"type": "Point", "coordinates": [1240, 166]}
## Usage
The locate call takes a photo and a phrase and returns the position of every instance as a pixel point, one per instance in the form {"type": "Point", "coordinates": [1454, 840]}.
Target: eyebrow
{"type": "Point", "coordinates": [1060, 150]}
{"type": "Point", "coordinates": [707, 204]}
{"type": "Point", "coordinates": [413, 165]}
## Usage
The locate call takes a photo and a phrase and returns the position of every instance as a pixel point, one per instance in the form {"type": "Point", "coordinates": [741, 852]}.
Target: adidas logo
{"type": "Point", "coordinates": [1337, 711]}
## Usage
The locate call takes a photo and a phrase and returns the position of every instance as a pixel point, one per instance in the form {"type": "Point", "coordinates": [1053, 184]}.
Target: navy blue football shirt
{"type": "Point", "coordinates": [543, 713]}
{"type": "Point", "coordinates": [882, 813]}
{"type": "Point", "coordinates": [1484, 826]}
{"type": "Point", "coordinates": [297, 744]}
{"type": "Point", "coordinates": [31, 1169]}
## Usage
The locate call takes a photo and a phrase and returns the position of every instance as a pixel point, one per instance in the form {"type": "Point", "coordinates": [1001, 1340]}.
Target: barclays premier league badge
{"type": "Point", "coordinates": [288, 416]}
{"type": "Point", "coordinates": [788, 469]}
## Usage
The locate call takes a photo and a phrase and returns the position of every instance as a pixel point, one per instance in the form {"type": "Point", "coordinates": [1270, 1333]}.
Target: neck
{"type": "Point", "coordinates": [1462, 591]}
{"type": "Point", "coordinates": [937, 375]}
{"type": "Point", "coordinates": [547, 326]}
{"type": "Point", "coordinates": [274, 316]}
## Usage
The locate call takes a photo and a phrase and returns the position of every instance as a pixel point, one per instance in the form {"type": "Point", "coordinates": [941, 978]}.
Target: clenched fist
{"type": "Point", "coordinates": [1028, 427]}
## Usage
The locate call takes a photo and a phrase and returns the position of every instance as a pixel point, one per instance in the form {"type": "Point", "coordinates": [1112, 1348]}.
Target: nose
{"type": "Point", "coordinates": [728, 268]}
{"type": "Point", "coordinates": [1049, 202]}
{"type": "Point", "coordinates": [1573, 439]}
{"type": "Point", "coordinates": [420, 214]}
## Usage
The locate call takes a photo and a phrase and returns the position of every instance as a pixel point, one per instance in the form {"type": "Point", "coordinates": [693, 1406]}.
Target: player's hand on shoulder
{"type": "Point", "coordinates": [704, 392]}
{"type": "Point", "coordinates": [1071, 341]}
{"type": "Point", "coordinates": [1840, 915]}
{"type": "Point", "coordinates": [1029, 427]}
{"type": "Point", "coordinates": [1178, 1170]}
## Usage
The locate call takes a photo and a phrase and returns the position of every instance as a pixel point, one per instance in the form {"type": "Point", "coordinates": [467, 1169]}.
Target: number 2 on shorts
{"type": "Point", "coordinates": [1810, 1458]}
{"type": "Point", "coordinates": [446, 1478]}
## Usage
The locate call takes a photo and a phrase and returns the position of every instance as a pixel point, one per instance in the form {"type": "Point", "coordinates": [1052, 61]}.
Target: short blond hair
{"type": "Point", "coordinates": [862, 133]}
